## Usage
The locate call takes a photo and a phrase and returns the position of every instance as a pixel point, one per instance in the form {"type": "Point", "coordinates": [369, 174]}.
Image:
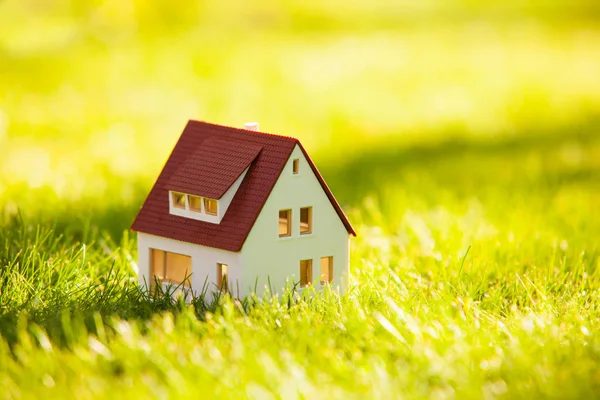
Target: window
{"type": "Point", "coordinates": [157, 266]}
{"type": "Point", "coordinates": [305, 220]}
{"type": "Point", "coordinates": [195, 203]}
{"type": "Point", "coordinates": [326, 270]}
{"type": "Point", "coordinates": [296, 166]}
{"type": "Point", "coordinates": [177, 267]}
{"type": "Point", "coordinates": [178, 200]}
{"type": "Point", "coordinates": [195, 207]}
{"type": "Point", "coordinates": [210, 206]}
{"type": "Point", "coordinates": [222, 275]}
{"type": "Point", "coordinates": [305, 273]}
{"type": "Point", "coordinates": [285, 223]}
{"type": "Point", "coordinates": [169, 267]}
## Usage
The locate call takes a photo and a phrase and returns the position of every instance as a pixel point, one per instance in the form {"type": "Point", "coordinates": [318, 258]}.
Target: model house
{"type": "Point", "coordinates": [240, 209]}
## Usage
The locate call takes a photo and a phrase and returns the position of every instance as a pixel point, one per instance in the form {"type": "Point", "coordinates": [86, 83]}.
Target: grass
{"type": "Point", "coordinates": [483, 286]}
{"type": "Point", "coordinates": [462, 141]}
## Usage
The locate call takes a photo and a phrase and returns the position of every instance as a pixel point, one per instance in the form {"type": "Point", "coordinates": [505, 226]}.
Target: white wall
{"type": "Point", "coordinates": [204, 261]}
{"type": "Point", "coordinates": [264, 254]}
{"type": "Point", "coordinates": [225, 200]}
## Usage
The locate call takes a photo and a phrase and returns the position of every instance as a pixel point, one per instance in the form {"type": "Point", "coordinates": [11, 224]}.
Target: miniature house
{"type": "Point", "coordinates": [241, 210]}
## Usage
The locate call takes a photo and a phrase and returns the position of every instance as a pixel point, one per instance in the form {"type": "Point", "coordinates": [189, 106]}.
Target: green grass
{"type": "Point", "coordinates": [484, 285]}
{"type": "Point", "coordinates": [462, 140]}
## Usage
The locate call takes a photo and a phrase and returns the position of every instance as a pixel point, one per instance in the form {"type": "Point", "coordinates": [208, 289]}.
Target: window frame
{"type": "Point", "coordinates": [189, 199]}
{"type": "Point", "coordinates": [222, 283]}
{"type": "Point", "coordinates": [174, 196]}
{"type": "Point", "coordinates": [329, 270]}
{"type": "Point", "coordinates": [289, 223]}
{"type": "Point", "coordinates": [310, 227]}
{"type": "Point", "coordinates": [206, 201]}
{"type": "Point", "coordinates": [308, 274]}
{"type": "Point", "coordinates": [296, 166]}
{"type": "Point", "coordinates": [163, 269]}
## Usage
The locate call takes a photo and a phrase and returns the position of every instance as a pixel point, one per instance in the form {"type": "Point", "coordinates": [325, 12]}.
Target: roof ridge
{"type": "Point", "coordinates": [246, 131]}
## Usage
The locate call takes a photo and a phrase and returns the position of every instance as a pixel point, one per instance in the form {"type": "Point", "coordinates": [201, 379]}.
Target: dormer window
{"type": "Point", "coordinates": [178, 200]}
{"type": "Point", "coordinates": [195, 203]}
{"type": "Point", "coordinates": [195, 207]}
{"type": "Point", "coordinates": [210, 206]}
{"type": "Point", "coordinates": [204, 184]}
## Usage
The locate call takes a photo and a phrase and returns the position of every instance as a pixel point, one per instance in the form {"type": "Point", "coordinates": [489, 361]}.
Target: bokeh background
{"type": "Point", "coordinates": [404, 105]}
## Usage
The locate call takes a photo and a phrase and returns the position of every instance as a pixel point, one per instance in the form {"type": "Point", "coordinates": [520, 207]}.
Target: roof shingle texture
{"type": "Point", "coordinates": [212, 168]}
{"type": "Point", "coordinates": [204, 145]}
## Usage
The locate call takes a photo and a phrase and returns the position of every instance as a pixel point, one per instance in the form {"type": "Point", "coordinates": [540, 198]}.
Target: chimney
{"type": "Point", "coordinates": [251, 126]}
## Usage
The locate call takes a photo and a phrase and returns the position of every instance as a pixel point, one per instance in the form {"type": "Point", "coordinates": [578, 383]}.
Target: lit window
{"type": "Point", "coordinates": [177, 268]}
{"type": "Point", "coordinates": [170, 267]}
{"type": "Point", "coordinates": [210, 206]}
{"type": "Point", "coordinates": [285, 223]}
{"type": "Point", "coordinates": [222, 274]}
{"type": "Point", "coordinates": [195, 203]}
{"type": "Point", "coordinates": [326, 270]}
{"type": "Point", "coordinates": [305, 273]}
{"type": "Point", "coordinates": [296, 166]}
{"type": "Point", "coordinates": [157, 266]}
{"type": "Point", "coordinates": [178, 200]}
{"type": "Point", "coordinates": [305, 220]}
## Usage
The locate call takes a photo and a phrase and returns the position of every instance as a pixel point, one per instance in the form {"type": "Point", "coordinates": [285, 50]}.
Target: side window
{"type": "Point", "coordinates": [222, 275]}
{"type": "Point", "coordinates": [296, 166]}
{"type": "Point", "coordinates": [326, 270]}
{"type": "Point", "coordinates": [305, 273]}
{"type": "Point", "coordinates": [285, 223]}
{"type": "Point", "coordinates": [306, 220]}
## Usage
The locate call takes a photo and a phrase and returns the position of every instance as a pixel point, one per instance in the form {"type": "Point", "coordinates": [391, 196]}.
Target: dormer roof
{"type": "Point", "coordinates": [228, 152]}
{"type": "Point", "coordinates": [212, 168]}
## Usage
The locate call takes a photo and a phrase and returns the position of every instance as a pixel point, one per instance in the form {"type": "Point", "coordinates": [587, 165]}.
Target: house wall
{"type": "Point", "coordinates": [204, 261]}
{"type": "Point", "coordinates": [266, 255]}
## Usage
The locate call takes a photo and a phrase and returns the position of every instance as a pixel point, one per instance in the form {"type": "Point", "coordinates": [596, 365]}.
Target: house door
{"type": "Point", "coordinates": [167, 267]}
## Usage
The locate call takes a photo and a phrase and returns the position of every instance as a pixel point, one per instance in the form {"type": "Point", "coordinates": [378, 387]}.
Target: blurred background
{"type": "Point", "coordinates": [482, 109]}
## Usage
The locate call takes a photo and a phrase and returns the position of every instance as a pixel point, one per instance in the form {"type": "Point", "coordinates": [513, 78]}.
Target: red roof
{"type": "Point", "coordinates": [232, 150]}
{"type": "Point", "coordinates": [211, 169]}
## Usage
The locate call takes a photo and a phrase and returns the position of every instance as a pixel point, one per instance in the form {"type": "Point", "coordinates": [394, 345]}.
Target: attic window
{"type": "Point", "coordinates": [195, 203]}
{"type": "Point", "coordinates": [178, 200]}
{"type": "Point", "coordinates": [296, 166]}
{"type": "Point", "coordinates": [195, 207]}
{"type": "Point", "coordinates": [210, 206]}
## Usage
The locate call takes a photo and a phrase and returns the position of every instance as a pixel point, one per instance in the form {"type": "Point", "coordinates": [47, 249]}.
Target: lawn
{"type": "Point", "coordinates": [462, 140]}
